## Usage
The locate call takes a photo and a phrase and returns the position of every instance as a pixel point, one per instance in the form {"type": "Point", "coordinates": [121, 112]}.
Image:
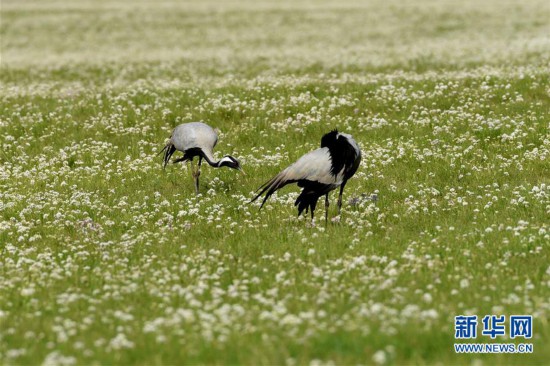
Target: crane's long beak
{"type": "Point", "coordinates": [242, 171]}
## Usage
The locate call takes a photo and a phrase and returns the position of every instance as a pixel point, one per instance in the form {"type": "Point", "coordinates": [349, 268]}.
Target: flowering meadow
{"type": "Point", "coordinates": [106, 258]}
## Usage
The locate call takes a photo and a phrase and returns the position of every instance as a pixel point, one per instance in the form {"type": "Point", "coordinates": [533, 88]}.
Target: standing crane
{"type": "Point", "coordinates": [196, 139]}
{"type": "Point", "coordinates": [318, 173]}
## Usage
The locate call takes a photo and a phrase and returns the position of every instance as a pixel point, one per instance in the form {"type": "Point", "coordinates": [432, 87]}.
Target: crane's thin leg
{"type": "Point", "coordinates": [340, 198]}
{"type": "Point", "coordinates": [197, 175]}
{"type": "Point", "coordinates": [193, 174]}
{"type": "Point", "coordinates": [196, 180]}
{"type": "Point", "coordinates": [326, 209]}
{"type": "Point", "coordinates": [312, 219]}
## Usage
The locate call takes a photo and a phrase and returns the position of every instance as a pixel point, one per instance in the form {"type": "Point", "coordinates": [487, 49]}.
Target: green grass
{"type": "Point", "coordinates": [106, 258]}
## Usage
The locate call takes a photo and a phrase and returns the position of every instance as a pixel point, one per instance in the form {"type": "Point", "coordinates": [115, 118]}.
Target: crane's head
{"type": "Point", "coordinates": [230, 162]}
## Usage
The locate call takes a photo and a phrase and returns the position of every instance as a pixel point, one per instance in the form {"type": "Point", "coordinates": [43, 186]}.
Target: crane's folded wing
{"type": "Point", "coordinates": [314, 166]}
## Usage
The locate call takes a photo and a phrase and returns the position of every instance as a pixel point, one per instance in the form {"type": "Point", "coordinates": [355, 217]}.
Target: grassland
{"type": "Point", "coordinates": [106, 258]}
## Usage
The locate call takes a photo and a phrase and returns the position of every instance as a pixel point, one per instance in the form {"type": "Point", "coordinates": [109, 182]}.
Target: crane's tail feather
{"type": "Point", "coordinates": [166, 146]}
{"type": "Point", "coordinates": [168, 150]}
{"type": "Point", "coordinates": [271, 186]}
{"type": "Point", "coordinates": [163, 149]}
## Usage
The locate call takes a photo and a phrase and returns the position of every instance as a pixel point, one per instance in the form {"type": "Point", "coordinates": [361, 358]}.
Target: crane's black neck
{"type": "Point", "coordinates": [212, 163]}
{"type": "Point", "coordinates": [341, 151]}
{"type": "Point", "coordinates": [197, 151]}
{"type": "Point", "coordinates": [227, 161]}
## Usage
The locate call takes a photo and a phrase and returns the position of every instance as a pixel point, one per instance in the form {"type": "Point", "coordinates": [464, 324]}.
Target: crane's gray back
{"type": "Point", "coordinates": [195, 134]}
{"type": "Point", "coordinates": [314, 166]}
